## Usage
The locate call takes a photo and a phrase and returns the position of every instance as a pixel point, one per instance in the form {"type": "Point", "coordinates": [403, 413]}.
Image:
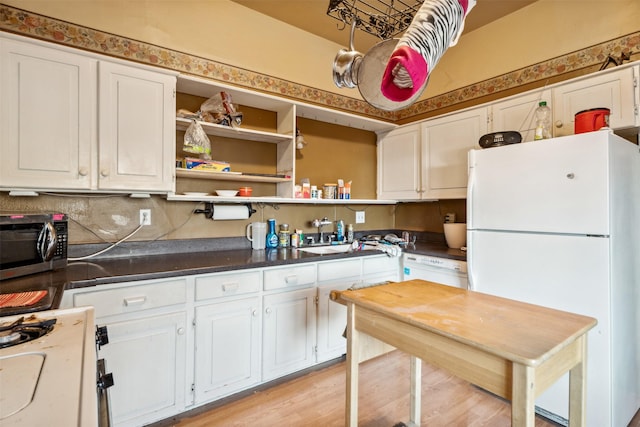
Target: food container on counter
{"type": "Point", "coordinates": [245, 191]}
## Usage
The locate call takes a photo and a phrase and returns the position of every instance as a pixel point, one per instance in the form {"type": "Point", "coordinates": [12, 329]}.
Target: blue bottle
{"type": "Point", "coordinates": [340, 230]}
{"type": "Point", "coordinates": [272, 237]}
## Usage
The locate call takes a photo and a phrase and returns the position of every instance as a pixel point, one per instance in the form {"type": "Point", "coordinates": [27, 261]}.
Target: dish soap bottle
{"type": "Point", "coordinates": [272, 237]}
{"type": "Point", "coordinates": [543, 121]}
{"type": "Point", "coordinates": [339, 230]}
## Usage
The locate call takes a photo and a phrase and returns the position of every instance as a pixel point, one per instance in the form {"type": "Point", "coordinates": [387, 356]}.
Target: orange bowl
{"type": "Point", "coordinates": [245, 191]}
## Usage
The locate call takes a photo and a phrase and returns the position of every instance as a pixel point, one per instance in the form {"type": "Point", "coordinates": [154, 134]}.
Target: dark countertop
{"type": "Point", "coordinates": [107, 270]}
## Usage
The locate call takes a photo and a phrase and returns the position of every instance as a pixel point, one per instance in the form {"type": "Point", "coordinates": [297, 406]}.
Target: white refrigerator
{"type": "Point", "coordinates": [557, 223]}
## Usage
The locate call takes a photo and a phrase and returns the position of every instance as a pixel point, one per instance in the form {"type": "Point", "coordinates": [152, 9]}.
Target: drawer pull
{"type": "Point", "coordinates": [228, 287]}
{"type": "Point", "coordinates": [132, 301]}
{"type": "Point", "coordinates": [291, 280]}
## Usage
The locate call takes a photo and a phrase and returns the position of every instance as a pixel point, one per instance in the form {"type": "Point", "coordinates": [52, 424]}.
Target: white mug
{"type": "Point", "coordinates": [257, 235]}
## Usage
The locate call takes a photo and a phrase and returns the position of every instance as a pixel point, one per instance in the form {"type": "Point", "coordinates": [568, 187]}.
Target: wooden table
{"type": "Point", "coordinates": [512, 349]}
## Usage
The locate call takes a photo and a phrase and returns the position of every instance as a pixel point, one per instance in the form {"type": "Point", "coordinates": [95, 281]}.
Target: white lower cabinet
{"type": "Point", "coordinates": [227, 356]}
{"type": "Point", "coordinates": [147, 358]}
{"type": "Point", "coordinates": [379, 269]}
{"type": "Point", "coordinates": [179, 343]}
{"type": "Point", "coordinates": [289, 332]}
{"type": "Point", "coordinates": [227, 334]}
{"type": "Point", "coordinates": [147, 350]}
{"type": "Point", "coordinates": [332, 317]}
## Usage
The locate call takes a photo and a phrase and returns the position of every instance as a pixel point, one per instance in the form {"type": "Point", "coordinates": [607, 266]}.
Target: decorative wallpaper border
{"type": "Point", "coordinates": [33, 25]}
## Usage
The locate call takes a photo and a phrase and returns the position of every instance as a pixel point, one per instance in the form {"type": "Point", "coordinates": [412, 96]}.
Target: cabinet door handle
{"type": "Point", "coordinates": [559, 124]}
{"type": "Point", "coordinates": [228, 287]}
{"type": "Point", "coordinates": [180, 331]}
{"type": "Point", "coordinates": [131, 301]}
{"type": "Point", "coordinates": [291, 280]}
{"type": "Point", "coordinates": [104, 173]}
{"type": "Point", "coordinates": [268, 310]}
{"type": "Point", "coordinates": [83, 171]}
{"type": "Point", "coordinates": [254, 313]}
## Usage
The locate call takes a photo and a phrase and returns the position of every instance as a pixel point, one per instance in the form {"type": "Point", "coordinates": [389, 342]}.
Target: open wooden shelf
{"type": "Point", "coordinates": [237, 133]}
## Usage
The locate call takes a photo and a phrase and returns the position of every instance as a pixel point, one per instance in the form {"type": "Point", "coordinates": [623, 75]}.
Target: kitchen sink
{"type": "Point", "coordinates": [327, 249]}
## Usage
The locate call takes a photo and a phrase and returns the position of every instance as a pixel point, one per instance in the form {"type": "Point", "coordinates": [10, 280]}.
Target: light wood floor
{"type": "Point", "coordinates": [318, 399]}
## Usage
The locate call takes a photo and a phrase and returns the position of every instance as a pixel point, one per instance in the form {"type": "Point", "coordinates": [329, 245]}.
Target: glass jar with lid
{"type": "Point", "coordinates": [284, 236]}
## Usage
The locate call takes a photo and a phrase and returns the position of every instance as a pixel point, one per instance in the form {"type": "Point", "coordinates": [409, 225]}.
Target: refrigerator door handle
{"type": "Point", "coordinates": [470, 264]}
{"type": "Point", "coordinates": [471, 157]}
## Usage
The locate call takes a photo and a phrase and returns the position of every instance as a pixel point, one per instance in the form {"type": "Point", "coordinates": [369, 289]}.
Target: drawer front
{"type": "Point", "coordinates": [336, 270]}
{"type": "Point", "coordinates": [380, 264]}
{"type": "Point", "coordinates": [289, 277]}
{"type": "Point", "coordinates": [134, 298]}
{"type": "Point", "coordinates": [227, 285]}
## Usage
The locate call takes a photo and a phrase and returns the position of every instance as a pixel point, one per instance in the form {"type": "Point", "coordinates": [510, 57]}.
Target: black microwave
{"type": "Point", "coordinates": [32, 243]}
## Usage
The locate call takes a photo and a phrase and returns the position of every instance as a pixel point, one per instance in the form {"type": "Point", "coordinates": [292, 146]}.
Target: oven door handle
{"type": "Point", "coordinates": [47, 241]}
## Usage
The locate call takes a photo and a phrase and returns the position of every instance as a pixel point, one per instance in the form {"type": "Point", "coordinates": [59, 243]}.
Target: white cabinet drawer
{"type": "Point", "coordinates": [289, 277]}
{"type": "Point", "coordinates": [336, 270]}
{"type": "Point", "coordinates": [227, 284]}
{"type": "Point", "coordinates": [134, 298]}
{"type": "Point", "coordinates": [379, 264]}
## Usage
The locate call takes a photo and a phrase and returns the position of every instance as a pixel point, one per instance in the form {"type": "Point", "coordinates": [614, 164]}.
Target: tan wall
{"type": "Point", "coordinates": [213, 29]}
{"type": "Point", "coordinates": [543, 30]}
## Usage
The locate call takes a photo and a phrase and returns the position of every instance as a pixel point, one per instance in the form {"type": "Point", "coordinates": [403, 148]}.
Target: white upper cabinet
{"type": "Point", "coordinates": [47, 117]}
{"type": "Point", "coordinates": [399, 164]}
{"type": "Point", "coordinates": [615, 89]}
{"type": "Point", "coordinates": [518, 113]}
{"type": "Point", "coordinates": [443, 142]}
{"type": "Point", "coordinates": [136, 129]}
{"type": "Point", "coordinates": [72, 121]}
{"type": "Point", "coordinates": [428, 160]}
{"type": "Point", "coordinates": [446, 142]}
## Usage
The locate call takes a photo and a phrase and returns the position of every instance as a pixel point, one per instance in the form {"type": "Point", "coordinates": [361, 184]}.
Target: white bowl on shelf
{"type": "Point", "coordinates": [226, 193]}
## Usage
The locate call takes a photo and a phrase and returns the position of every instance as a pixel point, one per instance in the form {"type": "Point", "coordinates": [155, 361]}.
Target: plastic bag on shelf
{"type": "Point", "coordinates": [196, 141]}
{"type": "Point", "coordinates": [219, 109]}
{"type": "Point", "coordinates": [186, 114]}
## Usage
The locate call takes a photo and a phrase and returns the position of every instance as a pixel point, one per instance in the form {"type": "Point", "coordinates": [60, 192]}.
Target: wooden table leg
{"type": "Point", "coordinates": [351, 412]}
{"type": "Point", "coordinates": [523, 397]}
{"type": "Point", "coordinates": [416, 389]}
{"type": "Point", "coordinates": [577, 388]}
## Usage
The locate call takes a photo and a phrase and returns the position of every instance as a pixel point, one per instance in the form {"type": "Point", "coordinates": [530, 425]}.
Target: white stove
{"type": "Point", "coordinates": [50, 379]}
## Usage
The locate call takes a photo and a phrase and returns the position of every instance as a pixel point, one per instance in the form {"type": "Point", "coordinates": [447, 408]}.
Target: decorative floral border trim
{"type": "Point", "coordinates": [574, 61]}
{"type": "Point", "coordinates": [33, 25]}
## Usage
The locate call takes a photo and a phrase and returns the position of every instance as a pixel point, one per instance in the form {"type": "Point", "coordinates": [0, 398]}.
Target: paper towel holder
{"type": "Point", "coordinates": [209, 209]}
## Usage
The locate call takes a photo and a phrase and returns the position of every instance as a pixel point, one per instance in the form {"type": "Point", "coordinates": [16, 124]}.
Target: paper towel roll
{"type": "Point", "coordinates": [222, 212]}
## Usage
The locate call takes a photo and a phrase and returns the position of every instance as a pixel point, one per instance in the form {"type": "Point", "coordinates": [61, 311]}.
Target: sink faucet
{"type": "Point", "coordinates": [319, 223]}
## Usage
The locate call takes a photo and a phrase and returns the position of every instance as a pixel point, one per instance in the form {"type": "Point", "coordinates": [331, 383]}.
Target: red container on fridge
{"type": "Point", "coordinates": [590, 120]}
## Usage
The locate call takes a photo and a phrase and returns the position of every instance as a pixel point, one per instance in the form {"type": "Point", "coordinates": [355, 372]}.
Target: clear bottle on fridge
{"type": "Point", "coordinates": [543, 121]}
